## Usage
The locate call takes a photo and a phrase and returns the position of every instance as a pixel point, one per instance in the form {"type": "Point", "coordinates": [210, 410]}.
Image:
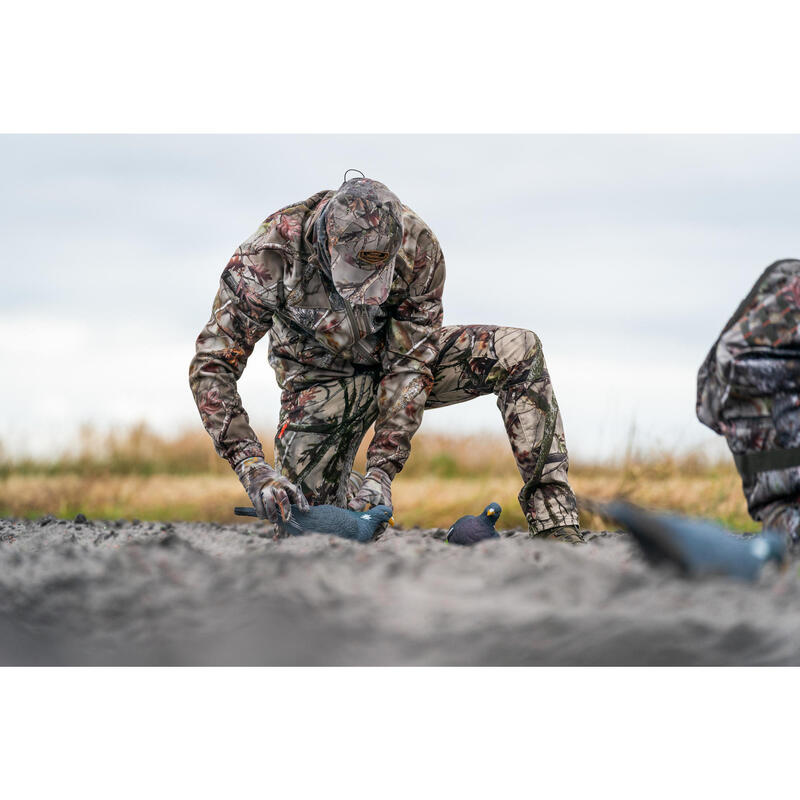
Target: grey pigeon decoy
{"type": "Point", "coordinates": [697, 546]}
{"type": "Point", "coordinates": [471, 529]}
{"type": "Point", "coordinates": [359, 526]}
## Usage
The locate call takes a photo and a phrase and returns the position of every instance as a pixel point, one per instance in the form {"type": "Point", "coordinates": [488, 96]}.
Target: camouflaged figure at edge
{"type": "Point", "coordinates": [748, 390]}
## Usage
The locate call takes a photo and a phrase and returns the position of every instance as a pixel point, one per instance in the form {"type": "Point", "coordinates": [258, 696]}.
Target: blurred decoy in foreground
{"type": "Point", "coordinates": [698, 547]}
{"type": "Point", "coordinates": [472, 529]}
{"type": "Point", "coordinates": [360, 526]}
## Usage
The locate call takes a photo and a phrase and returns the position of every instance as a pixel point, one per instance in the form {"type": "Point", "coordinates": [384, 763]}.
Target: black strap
{"type": "Point", "coordinates": [749, 464]}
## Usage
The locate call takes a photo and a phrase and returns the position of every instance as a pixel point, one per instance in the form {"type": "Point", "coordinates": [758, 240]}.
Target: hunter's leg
{"type": "Point", "coordinates": [481, 359]}
{"type": "Point", "coordinates": [319, 430]}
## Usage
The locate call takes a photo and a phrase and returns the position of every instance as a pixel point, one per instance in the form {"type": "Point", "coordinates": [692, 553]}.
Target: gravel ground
{"type": "Point", "coordinates": [125, 592]}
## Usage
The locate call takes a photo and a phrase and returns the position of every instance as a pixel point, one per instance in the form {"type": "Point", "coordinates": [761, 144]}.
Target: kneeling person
{"type": "Point", "coordinates": [348, 285]}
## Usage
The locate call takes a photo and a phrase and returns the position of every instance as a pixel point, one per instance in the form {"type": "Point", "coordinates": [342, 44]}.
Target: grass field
{"type": "Point", "coordinates": [138, 474]}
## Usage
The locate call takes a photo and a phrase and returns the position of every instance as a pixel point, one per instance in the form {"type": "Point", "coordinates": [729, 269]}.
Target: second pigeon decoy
{"type": "Point", "coordinates": [697, 546]}
{"type": "Point", "coordinates": [359, 526]}
{"type": "Point", "coordinates": [472, 529]}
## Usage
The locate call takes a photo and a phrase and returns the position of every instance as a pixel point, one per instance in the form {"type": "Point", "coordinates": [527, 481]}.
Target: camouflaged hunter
{"type": "Point", "coordinates": [748, 390]}
{"type": "Point", "coordinates": [348, 285]}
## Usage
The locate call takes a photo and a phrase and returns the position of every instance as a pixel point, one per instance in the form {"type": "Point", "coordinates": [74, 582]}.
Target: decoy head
{"type": "Point", "coordinates": [380, 514]}
{"type": "Point", "coordinates": [492, 512]}
{"type": "Point", "coordinates": [770, 546]}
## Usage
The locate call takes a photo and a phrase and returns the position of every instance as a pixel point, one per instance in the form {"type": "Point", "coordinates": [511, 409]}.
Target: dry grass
{"type": "Point", "coordinates": [142, 475]}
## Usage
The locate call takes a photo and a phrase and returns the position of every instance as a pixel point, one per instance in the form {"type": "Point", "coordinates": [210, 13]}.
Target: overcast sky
{"type": "Point", "coordinates": [626, 254]}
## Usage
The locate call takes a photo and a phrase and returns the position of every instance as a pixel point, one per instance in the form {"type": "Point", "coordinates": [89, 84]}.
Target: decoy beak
{"type": "Point", "coordinates": [391, 521]}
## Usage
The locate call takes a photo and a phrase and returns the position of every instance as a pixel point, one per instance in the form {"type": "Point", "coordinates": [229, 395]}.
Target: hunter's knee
{"type": "Point", "coordinates": [518, 349]}
{"type": "Point", "coordinates": [517, 344]}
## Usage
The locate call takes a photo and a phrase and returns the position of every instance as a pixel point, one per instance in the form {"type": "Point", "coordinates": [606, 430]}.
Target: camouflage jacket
{"type": "Point", "coordinates": [748, 390]}
{"type": "Point", "coordinates": [274, 284]}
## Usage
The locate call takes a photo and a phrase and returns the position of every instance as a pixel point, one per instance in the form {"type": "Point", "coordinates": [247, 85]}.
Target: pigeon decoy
{"type": "Point", "coordinates": [471, 529]}
{"type": "Point", "coordinates": [359, 526]}
{"type": "Point", "coordinates": [697, 546]}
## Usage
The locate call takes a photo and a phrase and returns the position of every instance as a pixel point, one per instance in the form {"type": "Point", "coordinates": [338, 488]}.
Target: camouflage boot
{"type": "Point", "coordinates": [569, 534]}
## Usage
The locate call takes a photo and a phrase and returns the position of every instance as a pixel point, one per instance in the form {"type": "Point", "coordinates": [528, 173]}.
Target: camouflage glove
{"type": "Point", "coordinates": [376, 490]}
{"type": "Point", "coordinates": [354, 481]}
{"type": "Point", "coordinates": [270, 493]}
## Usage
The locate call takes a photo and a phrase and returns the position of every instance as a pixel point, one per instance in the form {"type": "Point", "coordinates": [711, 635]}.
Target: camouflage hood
{"type": "Point", "coordinates": [748, 390]}
{"type": "Point", "coordinates": [357, 236]}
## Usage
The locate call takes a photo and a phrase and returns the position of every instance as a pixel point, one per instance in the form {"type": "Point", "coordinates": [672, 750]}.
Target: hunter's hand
{"type": "Point", "coordinates": [376, 490]}
{"type": "Point", "coordinates": [270, 493]}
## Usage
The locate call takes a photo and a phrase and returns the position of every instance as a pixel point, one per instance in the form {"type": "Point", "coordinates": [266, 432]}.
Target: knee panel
{"type": "Point", "coordinates": [519, 352]}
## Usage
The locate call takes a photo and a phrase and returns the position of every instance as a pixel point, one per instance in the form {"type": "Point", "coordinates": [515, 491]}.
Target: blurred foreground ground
{"type": "Point", "coordinates": [122, 588]}
{"type": "Point", "coordinates": [189, 593]}
{"type": "Point", "coordinates": [139, 475]}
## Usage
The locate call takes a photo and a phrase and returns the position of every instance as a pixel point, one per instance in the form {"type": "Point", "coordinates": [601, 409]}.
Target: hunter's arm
{"type": "Point", "coordinates": [411, 348]}
{"type": "Point", "coordinates": [240, 316]}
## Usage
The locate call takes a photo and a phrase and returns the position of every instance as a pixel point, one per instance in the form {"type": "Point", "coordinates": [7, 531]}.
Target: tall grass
{"type": "Point", "coordinates": [139, 473]}
{"type": "Point", "coordinates": [135, 451]}
{"type": "Point", "coordinates": [141, 451]}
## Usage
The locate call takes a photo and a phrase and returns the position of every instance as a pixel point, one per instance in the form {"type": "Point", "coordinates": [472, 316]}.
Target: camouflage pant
{"type": "Point", "coordinates": [322, 425]}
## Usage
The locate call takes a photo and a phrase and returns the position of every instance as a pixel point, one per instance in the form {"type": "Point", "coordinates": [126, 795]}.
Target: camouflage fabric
{"type": "Point", "coordinates": [476, 360]}
{"type": "Point", "coordinates": [343, 367]}
{"type": "Point", "coordinates": [359, 233]}
{"type": "Point", "coordinates": [274, 284]}
{"type": "Point", "coordinates": [321, 426]}
{"type": "Point", "coordinates": [748, 390]}
{"type": "Point", "coordinates": [271, 493]}
{"type": "Point", "coordinates": [374, 489]}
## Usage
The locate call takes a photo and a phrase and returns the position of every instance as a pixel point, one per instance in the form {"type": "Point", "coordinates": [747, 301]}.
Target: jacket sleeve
{"type": "Point", "coordinates": [410, 350]}
{"type": "Point", "coordinates": [240, 316]}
